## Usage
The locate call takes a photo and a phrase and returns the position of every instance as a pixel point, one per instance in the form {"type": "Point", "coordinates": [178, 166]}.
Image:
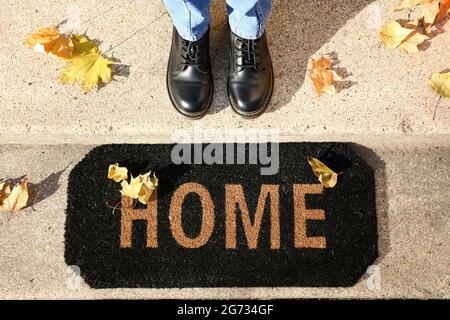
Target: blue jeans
{"type": "Point", "coordinates": [191, 18]}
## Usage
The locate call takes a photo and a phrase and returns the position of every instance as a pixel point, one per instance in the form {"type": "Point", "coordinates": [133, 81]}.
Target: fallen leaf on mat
{"type": "Point", "coordinates": [327, 177]}
{"type": "Point", "coordinates": [117, 173]}
{"type": "Point", "coordinates": [140, 188]}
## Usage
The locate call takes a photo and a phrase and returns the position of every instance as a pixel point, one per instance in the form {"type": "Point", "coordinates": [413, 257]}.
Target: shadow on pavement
{"type": "Point", "coordinates": [297, 29]}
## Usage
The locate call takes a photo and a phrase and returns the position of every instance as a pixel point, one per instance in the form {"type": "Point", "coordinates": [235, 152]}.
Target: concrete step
{"type": "Point", "coordinates": [386, 94]}
{"type": "Point", "coordinates": [412, 207]}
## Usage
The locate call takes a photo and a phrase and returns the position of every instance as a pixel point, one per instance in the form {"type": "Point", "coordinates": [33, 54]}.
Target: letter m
{"type": "Point", "coordinates": [234, 196]}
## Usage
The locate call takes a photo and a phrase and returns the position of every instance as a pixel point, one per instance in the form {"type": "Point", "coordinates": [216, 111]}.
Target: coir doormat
{"type": "Point", "coordinates": [234, 223]}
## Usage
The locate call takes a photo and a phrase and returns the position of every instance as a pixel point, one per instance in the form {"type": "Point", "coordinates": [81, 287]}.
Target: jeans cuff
{"type": "Point", "coordinates": [193, 36]}
{"type": "Point", "coordinates": [244, 35]}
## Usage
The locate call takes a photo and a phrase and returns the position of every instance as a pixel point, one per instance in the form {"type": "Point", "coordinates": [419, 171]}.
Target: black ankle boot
{"type": "Point", "coordinates": [250, 80]}
{"type": "Point", "coordinates": [189, 79]}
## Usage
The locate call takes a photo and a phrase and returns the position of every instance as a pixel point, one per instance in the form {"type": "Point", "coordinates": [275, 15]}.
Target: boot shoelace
{"type": "Point", "coordinates": [246, 49]}
{"type": "Point", "coordinates": [190, 55]}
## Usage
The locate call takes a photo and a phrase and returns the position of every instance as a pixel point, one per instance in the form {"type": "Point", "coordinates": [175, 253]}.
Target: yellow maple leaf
{"type": "Point", "coordinates": [323, 77]}
{"type": "Point", "coordinates": [117, 173]}
{"type": "Point", "coordinates": [89, 69]}
{"type": "Point", "coordinates": [327, 177]}
{"type": "Point", "coordinates": [140, 188]}
{"type": "Point", "coordinates": [82, 45]}
{"type": "Point", "coordinates": [50, 41]}
{"type": "Point", "coordinates": [407, 4]}
{"type": "Point", "coordinates": [17, 198]}
{"type": "Point", "coordinates": [393, 34]}
{"type": "Point", "coordinates": [440, 82]}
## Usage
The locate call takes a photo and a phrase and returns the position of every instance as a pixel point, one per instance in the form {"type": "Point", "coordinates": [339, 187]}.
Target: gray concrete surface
{"type": "Point", "coordinates": [384, 104]}
{"type": "Point", "coordinates": [413, 211]}
{"type": "Point", "coordinates": [386, 93]}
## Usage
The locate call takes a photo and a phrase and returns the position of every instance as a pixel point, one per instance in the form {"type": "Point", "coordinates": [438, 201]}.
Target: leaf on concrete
{"type": "Point", "coordinates": [140, 188]}
{"type": "Point", "coordinates": [86, 63]}
{"type": "Point", "coordinates": [82, 45]}
{"type": "Point", "coordinates": [393, 34]}
{"type": "Point", "coordinates": [327, 177]}
{"type": "Point", "coordinates": [440, 82]}
{"type": "Point", "coordinates": [5, 190]}
{"type": "Point", "coordinates": [444, 7]}
{"type": "Point", "coordinates": [406, 37]}
{"type": "Point", "coordinates": [117, 173]}
{"type": "Point", "coordinates": [50, 41]}
{"type": "Point", "coordinates": [323, 77]}
{"type": "Point", "coordinates": [90, 69]}
{"type": "Point", "coordinates": [16, 199]}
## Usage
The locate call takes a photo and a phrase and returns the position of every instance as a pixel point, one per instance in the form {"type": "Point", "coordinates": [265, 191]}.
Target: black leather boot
{"type": "Point", "coordinates": [250, 80]}
{"type": "Point", "coordinates": [189, 78]}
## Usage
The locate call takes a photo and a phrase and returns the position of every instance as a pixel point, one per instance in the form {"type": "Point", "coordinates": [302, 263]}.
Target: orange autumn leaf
{"type": "Point", "coordinates": [50, 41]}
{"type": "Point", "coordinates": [444, 7]}
{"type": "Point", "coordinates": [323, 77]}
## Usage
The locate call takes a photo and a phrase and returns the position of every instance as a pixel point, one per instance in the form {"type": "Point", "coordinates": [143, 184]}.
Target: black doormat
{"type": "Point", "coordinates": [223, 225]}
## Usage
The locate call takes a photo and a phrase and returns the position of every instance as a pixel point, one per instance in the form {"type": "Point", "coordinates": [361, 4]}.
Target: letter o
{"type": "Point", "coordinates": [176, 206]}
